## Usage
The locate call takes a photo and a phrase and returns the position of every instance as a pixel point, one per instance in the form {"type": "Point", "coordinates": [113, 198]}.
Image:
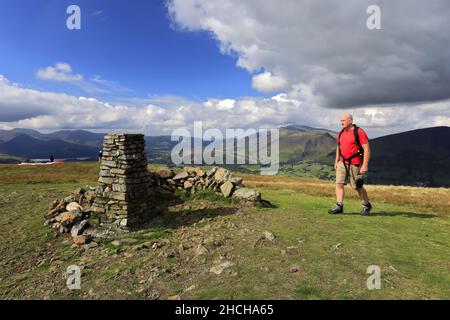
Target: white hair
{"type": "Point", "coordinates": [348, 115]}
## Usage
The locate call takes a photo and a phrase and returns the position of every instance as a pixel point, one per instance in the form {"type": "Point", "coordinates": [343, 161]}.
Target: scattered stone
{"type": "Point", "coordinates": [269, 236]}
{"type": "Point", "coordinates": [116, 243]}
{"type": "Point", "coordinates": [190, 288]}
{"type": "Point", "coordinates": [157, 245]}
{"type": "Point", "coordinates": [393, 269]}
{"type": "Point", "coordinates": [90, 245]}
{"type": "Point", "coordinates": [80, 240]}
{"type": "Point", "coordinates": [227, 189]}
{"type": "Point", "coordinates": [201, 251]}
{"type": "Point", "coordinates": [247, 194]}
{"type": "Point", "coordinates": [221, 267]}
{"type": "Point", "coordinates": [141, 246]}
{"type": "Point", "coordinates": [100, 233]}
{"type": "Point", "coordinates": [174, 297]}
{"type": "Point", "coordinates": [293, 269]}
{"type": "Point", "coordinates": [153, 294]}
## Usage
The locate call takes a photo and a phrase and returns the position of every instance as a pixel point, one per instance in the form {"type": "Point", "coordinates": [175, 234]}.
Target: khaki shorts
{"type": "Point", "coordinates": [353, 174]}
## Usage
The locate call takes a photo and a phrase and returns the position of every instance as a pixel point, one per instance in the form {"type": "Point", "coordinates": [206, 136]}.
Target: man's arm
{"type": "Point", "coordinates": [365, 165]}
{"type": "Point", "coordinates": [336, 161]}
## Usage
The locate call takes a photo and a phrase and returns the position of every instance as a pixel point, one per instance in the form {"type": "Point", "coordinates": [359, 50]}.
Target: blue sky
{"type": "Point", "coordinates": [131, 43]}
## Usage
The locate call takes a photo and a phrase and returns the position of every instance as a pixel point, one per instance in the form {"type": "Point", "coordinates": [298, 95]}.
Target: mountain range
{"type": "Point", "coordinates": [417, 157]}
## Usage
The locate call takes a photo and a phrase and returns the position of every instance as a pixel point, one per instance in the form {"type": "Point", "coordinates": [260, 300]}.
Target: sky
{"type": "Point", "coordinates": [156, 66]}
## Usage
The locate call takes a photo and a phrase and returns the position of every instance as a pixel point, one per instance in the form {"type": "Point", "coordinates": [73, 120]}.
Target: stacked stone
{"type": "Point", "coordinates": [123, 186]}
{"type": "Point", "coordinates": [191, 179]}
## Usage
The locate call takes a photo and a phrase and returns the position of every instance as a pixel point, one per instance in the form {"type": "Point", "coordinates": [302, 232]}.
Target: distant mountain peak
{"type": "Point", "coordinates": [303, 128]}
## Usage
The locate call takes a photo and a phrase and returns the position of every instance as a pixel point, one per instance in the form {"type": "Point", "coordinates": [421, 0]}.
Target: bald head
{"type": "Point", "coordinates": [347, 116]}
{"type": "Point", "coordinates": [346, 120]}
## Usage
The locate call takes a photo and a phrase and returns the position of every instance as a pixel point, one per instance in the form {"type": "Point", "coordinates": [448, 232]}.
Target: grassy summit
{"type": "Point", "coordinates": [314, 255]}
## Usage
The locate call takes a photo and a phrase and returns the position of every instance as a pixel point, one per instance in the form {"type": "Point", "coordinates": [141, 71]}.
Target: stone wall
{"type": "Point", "coordinates": [192, 179]}
{"type": "Point", "coordinates": [122, 194]}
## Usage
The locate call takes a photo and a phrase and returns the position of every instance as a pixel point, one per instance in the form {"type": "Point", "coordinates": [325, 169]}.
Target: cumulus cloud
{"type": "Point", "coordinates": [59, 72]}
{"type": "Point", "coordinates": [267, 82]}
{"type": "Point", "coordinates": [62, 72]}
{"type": "Point", "coordinates": [28, 108]}
{"type": "Point", "coordinates": [326, 45]}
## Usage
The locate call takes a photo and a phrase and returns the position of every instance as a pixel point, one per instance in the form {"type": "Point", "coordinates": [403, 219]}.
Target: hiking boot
{"type": "Point", "coordinates": [365, 211]}
{"type": "Point", "coordinates": [338, 209]}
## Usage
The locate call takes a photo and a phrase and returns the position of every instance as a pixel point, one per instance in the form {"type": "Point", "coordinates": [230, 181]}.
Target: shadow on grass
{"type": "Point", "coordinates": [398, 213]}
{"type": "Point", "coordinates": [186, 216]}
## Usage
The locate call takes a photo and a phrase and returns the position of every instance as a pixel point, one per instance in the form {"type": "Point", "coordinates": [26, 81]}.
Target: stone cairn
{"type": "Point", "coordinates": [219, 180]}
{"type": "Point", "coordinates": [122, 194]}
{"type": "Point", "coordinates": [125, 188]}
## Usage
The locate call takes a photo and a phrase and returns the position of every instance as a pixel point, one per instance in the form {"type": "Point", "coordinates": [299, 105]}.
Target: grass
{"type": "Point", "coordinates": [407, 237]}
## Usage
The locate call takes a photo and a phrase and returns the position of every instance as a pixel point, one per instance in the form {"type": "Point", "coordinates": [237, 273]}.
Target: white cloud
{"type": "Point", "coordinates": [62, 72]}
{"type": "Point", "coordinates": [326, 45]}
{"type": "Point", "coordinates": [28, 108]}
{"type": "Point", "coordinates": [267, 82]}
{"type": "Point", "coordinates": [59, 72]}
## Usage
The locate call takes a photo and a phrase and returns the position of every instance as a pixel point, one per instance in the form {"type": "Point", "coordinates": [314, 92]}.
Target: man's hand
{"type": "Point", "coordinates": [364, 169]}
{"type": "Point", "coordinates": [336, 165]}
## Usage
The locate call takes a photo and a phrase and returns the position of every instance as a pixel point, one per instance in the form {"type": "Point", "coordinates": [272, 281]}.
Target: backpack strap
{"type": "Point", "coordinates": [358, 143]}
{"type": "Point", "coordinates": [360, 151]}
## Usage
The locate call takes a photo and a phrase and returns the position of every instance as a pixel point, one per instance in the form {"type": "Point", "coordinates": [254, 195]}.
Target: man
{"type": "Point", "coordinates": [351, 164]}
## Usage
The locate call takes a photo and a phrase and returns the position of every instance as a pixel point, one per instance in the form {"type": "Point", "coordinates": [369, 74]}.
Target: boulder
{"type": "Point", "coordinates": [211, 172]}
{"type": "Point", "coordinates": [200, 173]}
{"type": "Point", "coordinates": [221, 175]}
{"type": "Point", "coordinates": [221, 267]}
{"type": "Point", "coordinates": [73, 206]}
{"type": "Point", "coordinates": [68, 218]}
{"type": "Point", "coordinates": [188, 185]}
{"type": "Point", "coordinates": [247, 194]}
{"type": "Point", "coordinates": [227, 189]}
{"type": "Point", "coordinates": [79, 240]}
{"type": "Point", "coordinates": [236, 181]}
{"type": "Point", "coordinates": [165, 173]}
{"type": "Point", "coordinates": [181, 175]}
{"type": "Point", "coordinates": [79, 227]}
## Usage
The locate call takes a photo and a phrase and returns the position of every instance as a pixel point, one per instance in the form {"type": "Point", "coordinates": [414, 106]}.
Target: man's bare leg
{"type": "Point", "coordinates": [340, 192]}
{"type": "Point", "coordinates": [362, 195]}
{"type": "Point", "coordinates": [339, 208]}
